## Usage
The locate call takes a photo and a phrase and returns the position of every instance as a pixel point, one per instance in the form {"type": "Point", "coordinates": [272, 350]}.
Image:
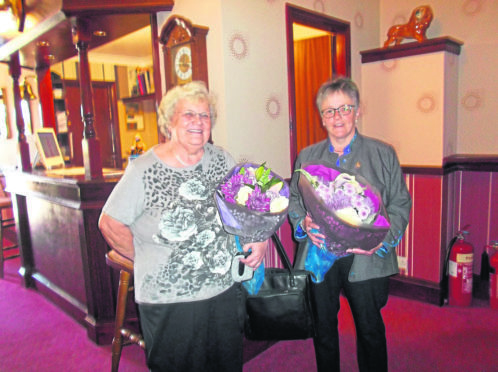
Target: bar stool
{"type": "Point", "coordinates": [122, 336]}
{"type": "Point", "coordinates": [5, 223]}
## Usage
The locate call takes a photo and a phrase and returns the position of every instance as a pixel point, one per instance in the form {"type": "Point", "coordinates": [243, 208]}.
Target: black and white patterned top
{"type": "Point", "coordinates": [182, 252]}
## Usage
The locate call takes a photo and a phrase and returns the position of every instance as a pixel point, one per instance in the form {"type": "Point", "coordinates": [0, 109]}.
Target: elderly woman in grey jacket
{"type": "Point", "coordinates": [362, 275]}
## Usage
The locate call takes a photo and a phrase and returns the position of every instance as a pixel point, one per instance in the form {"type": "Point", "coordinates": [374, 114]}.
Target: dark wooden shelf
{"type": "Point", "coordinates": [141, 98]}
{"type": "Point", "coordinates": [446, 43]}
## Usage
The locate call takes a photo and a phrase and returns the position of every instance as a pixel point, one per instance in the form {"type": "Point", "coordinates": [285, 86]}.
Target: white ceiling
{"type": "Point", "coordinates": [132, 49]}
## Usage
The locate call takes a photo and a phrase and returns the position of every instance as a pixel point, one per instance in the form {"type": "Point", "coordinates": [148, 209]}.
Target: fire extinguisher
{"type": "Point", "coordinates": [460, 264]}
{"type": "Point", "coordinates": [493, 274]}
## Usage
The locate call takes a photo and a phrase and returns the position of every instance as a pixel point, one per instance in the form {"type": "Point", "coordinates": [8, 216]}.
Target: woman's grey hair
{"type": "Point", "coordinates": [343, 85]}
{"type": "Point", "coordinates": [194, 91]}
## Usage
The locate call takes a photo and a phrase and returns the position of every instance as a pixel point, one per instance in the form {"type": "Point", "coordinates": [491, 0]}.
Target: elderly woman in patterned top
{"type": "Point", "coordinates": [163, 216]}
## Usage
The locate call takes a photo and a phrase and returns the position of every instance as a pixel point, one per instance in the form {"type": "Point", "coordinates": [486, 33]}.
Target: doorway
{"type": "Point", "coordinates": [324, 53]}
{"type": "Point", "coordinates": [105, 121]}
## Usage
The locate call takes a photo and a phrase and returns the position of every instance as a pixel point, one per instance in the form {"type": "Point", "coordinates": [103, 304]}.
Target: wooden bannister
{"type": "Point", "coordinates": [91, 147]}
{"type": "Point", "coordinates": [15, 73]}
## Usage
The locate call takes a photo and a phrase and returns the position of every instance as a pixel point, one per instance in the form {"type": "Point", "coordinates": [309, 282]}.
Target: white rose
{"type": "Point", "coordinates": [349, 215]}
{"type": "Point", "coordinates": [279, 204]}
{"type": "Point", "coordinates": [243, 195]}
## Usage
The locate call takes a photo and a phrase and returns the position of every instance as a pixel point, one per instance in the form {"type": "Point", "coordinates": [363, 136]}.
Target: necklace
{"type": "Point", "coordinates": [181, 161]}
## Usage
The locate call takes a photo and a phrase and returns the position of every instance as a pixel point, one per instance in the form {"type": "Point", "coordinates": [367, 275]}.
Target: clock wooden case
{"type": "Point", "coordinates": [185, 54]}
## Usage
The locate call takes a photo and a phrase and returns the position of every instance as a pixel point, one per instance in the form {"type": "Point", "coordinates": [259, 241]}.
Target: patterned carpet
{"type": "Point", "coordinates": [37, 336]}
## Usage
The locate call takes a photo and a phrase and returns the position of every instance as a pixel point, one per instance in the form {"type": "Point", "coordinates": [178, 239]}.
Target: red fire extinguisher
{"type": "Point", "coordinates": [493, 274]}
{"type": "Point", "coordinates": [461, 260]}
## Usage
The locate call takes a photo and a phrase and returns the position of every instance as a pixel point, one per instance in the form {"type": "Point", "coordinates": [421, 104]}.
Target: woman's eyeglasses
{"type": "Point", "coordinates": [190, 116]}
{"type": "Point", "coordinates": [343, 110]}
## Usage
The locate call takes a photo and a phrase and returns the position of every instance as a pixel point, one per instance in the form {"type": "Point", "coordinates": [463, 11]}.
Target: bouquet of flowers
{"type": "Point", "coordinates": [252, 201]}
{"type": "Point", "coordinates": [347, 208]}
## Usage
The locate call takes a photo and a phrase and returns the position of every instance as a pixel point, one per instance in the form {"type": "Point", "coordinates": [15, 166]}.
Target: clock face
{"type": "Point", "coordinates": [183, 64]}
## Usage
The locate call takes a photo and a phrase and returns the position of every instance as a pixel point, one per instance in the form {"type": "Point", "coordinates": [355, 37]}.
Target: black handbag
{"type": "Point", "coordinates": [281, 310]}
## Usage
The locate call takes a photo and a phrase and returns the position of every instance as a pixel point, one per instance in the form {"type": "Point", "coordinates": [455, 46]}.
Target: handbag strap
{"type": "Point", "coordinates": [281, 252]}
{"type": "Point", "coordinates": [285, 259]}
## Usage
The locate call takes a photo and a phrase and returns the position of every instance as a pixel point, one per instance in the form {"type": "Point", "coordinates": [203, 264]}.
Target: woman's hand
{"type": "Point", "coordinates": [258, 251]}
{"type": "Point", "coordinates": [364, 252]}
{"type": "Point", "coordinates": [312, 229]}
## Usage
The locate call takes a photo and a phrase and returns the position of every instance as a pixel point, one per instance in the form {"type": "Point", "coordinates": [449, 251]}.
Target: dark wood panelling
{"type": "Point", "coordinates": [62, 250]}
{"type": "Point", "coordinates": [478, 163]}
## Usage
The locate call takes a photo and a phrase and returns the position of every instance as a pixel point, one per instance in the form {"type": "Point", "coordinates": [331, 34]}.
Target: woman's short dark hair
{"type": "Point", "coordinates": [343, 85]}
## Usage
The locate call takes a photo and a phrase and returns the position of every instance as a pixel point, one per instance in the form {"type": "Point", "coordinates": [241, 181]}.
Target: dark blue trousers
{"type": "Point", "coordinates": [366, 299]}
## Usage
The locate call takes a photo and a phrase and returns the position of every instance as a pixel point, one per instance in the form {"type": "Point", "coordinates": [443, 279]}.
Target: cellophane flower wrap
{"type": "Point", "coordinates": [348, 209]}
{"type": "Point", "coordinates": [252, 201]}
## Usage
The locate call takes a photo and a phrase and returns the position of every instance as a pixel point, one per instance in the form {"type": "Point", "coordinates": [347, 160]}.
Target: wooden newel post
{"type": "Point", "coordinates": [15, 72]}
{"type": "Point", "coordinates": [90, 143]}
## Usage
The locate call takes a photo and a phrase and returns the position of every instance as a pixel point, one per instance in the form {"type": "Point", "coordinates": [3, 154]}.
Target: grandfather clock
{"type": "Point", "coordinates": [185, 53]}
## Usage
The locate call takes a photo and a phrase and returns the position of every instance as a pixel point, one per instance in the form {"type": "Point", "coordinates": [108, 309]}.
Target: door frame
{"type": "Point", "coordinates": [295, 14]}
{"type": "Point", "coordinates": [112, 128]}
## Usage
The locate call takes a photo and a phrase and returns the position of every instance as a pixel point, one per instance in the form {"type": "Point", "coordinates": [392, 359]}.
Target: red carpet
{"type": "Point", "coordinates": [420, 337]}
{"type": "Point", "coordinates": [36, 336]}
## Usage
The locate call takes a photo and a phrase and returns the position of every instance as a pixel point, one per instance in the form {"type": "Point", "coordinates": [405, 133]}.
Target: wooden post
{"type": "Point", "coordinates": [15, 72]}
{"type": "Point", "coordinates": [18, 201]}
{"type": "Point", "coordinates": [90, 143]}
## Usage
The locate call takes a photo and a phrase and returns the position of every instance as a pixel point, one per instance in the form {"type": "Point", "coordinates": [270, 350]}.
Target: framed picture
{"type": "Point", "coordinates": [134, 117]}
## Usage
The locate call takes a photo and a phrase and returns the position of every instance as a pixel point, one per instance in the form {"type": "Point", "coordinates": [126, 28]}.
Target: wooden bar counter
{"type": "Point", "coordinates": [62, 250]}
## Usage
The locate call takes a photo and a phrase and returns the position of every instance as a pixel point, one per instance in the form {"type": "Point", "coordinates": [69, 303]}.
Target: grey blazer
{"type": "Point", "coordinates": [377, 162]}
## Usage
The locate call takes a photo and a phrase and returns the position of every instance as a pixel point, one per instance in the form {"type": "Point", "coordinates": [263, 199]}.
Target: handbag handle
{"type": "Point", "coordinates": [282, 254]}
{"type": "Point", "coordinates": [285, 258]}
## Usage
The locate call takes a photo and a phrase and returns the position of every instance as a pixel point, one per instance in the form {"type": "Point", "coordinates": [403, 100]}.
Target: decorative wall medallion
{"type": "Point", "coordinates": [358, 20]}
{"type": "Point", "coordinates": [389, 65]}
{"type": "Point", "coordinates": [238, 46]}
{"type": "Point", "coordinates": [472, 100]}
{"type": "Point", "coordinates": [426, 103]}
{"type": "Point", "coordinates": [472, 7]}
{"type": "Point", "coordinates": [319, 6]}
{"type": "Point", "coordinates": [273, 107]}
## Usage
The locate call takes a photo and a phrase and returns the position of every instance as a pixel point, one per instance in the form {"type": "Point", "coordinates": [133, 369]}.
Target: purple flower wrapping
{"type": "Point", "coordinates": [341, 234]}
{"type": "Point", "coordinates": [251, 224]}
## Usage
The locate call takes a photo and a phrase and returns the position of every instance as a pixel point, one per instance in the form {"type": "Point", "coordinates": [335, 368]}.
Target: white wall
{"type": "Point", "coordinates": [473, 22]}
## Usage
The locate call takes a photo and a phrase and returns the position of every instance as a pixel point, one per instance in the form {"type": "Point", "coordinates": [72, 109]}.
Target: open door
{"type": "Point", "coordinates": [323, 54]}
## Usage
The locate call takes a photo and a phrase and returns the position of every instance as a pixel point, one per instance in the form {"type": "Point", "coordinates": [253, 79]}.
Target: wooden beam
{"type": "Point", "coordinates": [99, 7]}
